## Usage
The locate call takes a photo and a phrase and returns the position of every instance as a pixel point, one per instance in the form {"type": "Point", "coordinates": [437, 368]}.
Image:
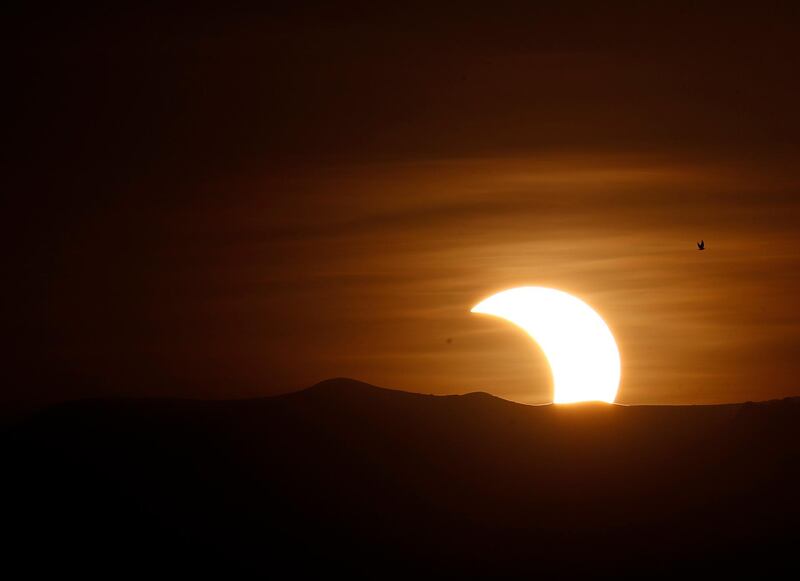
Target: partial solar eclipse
{"type": "Point", "coordinates": [583, 356]}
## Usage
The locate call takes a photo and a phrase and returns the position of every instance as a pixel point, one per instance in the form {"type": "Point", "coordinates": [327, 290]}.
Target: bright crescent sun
{"type": "Point", "coordinates": [583, 356]}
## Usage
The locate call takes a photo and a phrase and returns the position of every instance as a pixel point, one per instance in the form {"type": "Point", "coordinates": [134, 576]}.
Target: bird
{"type": "Point", "coordinates": [701, 245]}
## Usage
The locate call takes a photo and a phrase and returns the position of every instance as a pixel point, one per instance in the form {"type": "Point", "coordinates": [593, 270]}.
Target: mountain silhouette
{"type": "Point", "coordinates": [350, 478]}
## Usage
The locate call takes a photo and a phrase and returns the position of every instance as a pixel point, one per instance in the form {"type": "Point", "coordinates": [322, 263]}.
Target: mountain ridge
{"type": "Point", "coordinates": [349, 477]}
{"type": "Point", "coordinates": [342, 386]}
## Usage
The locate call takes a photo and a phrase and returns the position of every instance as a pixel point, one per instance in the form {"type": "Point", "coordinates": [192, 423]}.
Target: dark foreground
{"type": "Point", "coordinates": [346, 477]}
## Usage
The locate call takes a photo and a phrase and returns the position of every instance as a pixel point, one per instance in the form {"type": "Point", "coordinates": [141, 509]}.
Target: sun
{"type": "Point", "coordinates": [582, 353]}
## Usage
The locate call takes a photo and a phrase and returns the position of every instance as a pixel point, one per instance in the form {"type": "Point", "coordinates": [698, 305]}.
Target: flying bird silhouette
{"type": "Point", "coordinates": [701, 245]}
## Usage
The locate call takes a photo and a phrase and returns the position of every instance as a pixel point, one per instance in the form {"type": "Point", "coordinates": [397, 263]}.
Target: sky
{"type": "Point", "coordinates": [221, 203]}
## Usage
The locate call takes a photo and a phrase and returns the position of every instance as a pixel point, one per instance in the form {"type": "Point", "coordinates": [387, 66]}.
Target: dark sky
{"type": "Point", "coordinates": [221, 203]}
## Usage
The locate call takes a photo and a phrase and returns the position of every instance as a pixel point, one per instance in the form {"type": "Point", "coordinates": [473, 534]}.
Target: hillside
{"type": "Point", "coordinates": [348, 477]}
